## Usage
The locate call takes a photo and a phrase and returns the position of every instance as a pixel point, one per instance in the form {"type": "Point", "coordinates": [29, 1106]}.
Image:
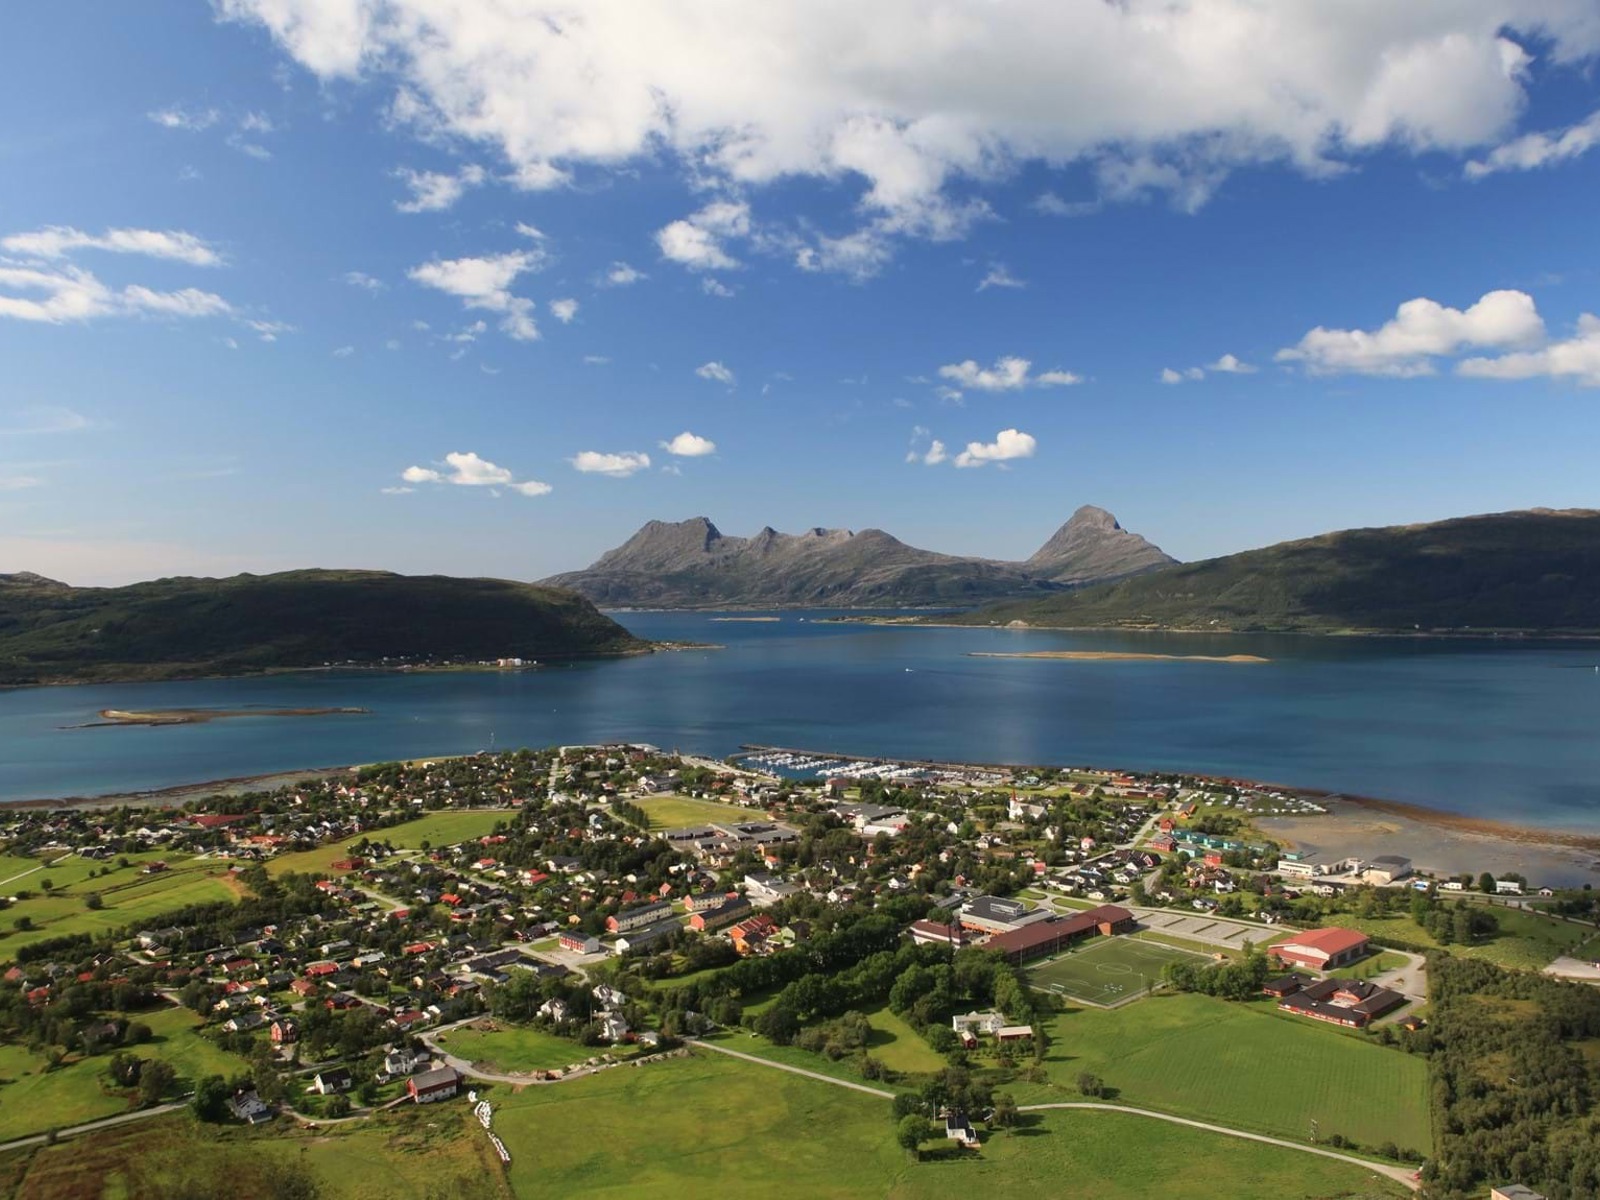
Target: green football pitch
{"type": "Point", "coordinates": [1107, 971]}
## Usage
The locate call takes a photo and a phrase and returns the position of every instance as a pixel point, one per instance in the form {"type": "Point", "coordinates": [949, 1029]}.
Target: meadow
{"type": "Point", "coordinates": [515, 1049]}
{"type": "Point", "coordinates": [676, 812]}
{"type": "Point", "coordinates": [1526, 941]}
{"type": "Point", "coordinates": [1240, 1064]}
{"type": "Point", "coordinates": [436, 829]}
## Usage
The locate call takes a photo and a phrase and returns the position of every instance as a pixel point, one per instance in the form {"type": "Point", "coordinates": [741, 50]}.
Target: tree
{"type": "Point", "coordinates": [1486, 883]}
{"type": "Point", "coordinates": [912, 1131]}
{"type": "Point", "coordinates": [1091, 1085]}
{"type": "Point", "coordinates": [210, 1101]}
{"type": "Point", "coordinates": [1006, 1113]}
{"type": "Point", "coordinates": [155, 1081]}
{"type": "Point", "coordinates": [905, 1105]}
{"type": "Point", "coordinates": [93, 902]}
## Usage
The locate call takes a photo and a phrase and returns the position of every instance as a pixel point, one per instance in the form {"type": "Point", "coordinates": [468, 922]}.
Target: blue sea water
{"type": "Point", "coordinates": [1503, 730]}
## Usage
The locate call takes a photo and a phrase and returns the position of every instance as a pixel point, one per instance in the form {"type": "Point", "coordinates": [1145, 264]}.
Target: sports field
{"type": "Point", "coordinates": [1105, 972]}
{"type": "Point", "coordinates": [679, 812]}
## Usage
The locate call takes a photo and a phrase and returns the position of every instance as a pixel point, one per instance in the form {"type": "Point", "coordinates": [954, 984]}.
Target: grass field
{"type": "Point", "coordinates": [719, 1126]}
{"type": "Point", "coordinates": [513, 1049]}
{"type": "Point", "coordinates": [177, 1041]}
{"type": "Point", "coordinates": [1526, 941]}
{"type": "Point", "coordinates": [1371, 965]}
{"type": "Point", "coordinates": [128, 898]}
{"type": "Point", "coordinates": [1241, 1064]}
{"type": "Point", "coordinates": [436, 828]}
{"type": "Point", "coordinates": [900, 1047]}
{"type": "Point", "coordinates": [676, 812]}
{"type": "Point", "coordinates": [33, 1097]}
{"type": "Point", "coordinates": [1106, 971]}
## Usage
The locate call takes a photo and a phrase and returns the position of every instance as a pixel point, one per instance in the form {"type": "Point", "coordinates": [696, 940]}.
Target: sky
{"type": "Point", "coordinates": [480, 286]}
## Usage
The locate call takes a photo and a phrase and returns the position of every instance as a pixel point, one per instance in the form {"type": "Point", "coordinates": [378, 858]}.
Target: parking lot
{"type": "Point", "coordinates": [1202, 927]}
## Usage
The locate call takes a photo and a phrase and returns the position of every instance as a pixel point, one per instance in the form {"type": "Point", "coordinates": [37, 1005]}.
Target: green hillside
{"type": "Point", "coordinates": [1536, 571]}
{"type": "Point", "coordinates": [170, 628]}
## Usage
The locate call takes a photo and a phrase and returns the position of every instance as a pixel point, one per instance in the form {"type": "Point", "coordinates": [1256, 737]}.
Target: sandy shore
{"type": "Point", "coordinates": [1119, 656]}
{"type": "Point", "coordinates": [1439, 842]}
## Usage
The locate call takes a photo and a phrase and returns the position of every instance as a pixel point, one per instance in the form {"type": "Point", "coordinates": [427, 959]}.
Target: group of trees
{"type": "Point", "coordinates": [150, 1076]}
{"type": "Point", "coordinates": [1238, 979]}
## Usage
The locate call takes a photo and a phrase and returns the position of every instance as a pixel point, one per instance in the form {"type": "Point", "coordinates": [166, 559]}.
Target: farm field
{"type": "Point", "coordinates": [1196, 1056]}
{"type": "Point", "coordinates": [513, 1049]}
{"type": "Point", "coordinates": [821, 1141]}
{"type": "Point", "coordinates": [1526, 941]}
{"type": "Point", "coordinates": [674, 812]}
{"type": "Point", "coordinates": [1106, 971]}
{"type": "Point", "coordinates": [127, 897]}
{"type": "Point", "coordinates": [436, 828]}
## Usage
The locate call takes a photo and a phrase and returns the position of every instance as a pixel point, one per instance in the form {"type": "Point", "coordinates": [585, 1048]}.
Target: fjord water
{"type": "Point", "coordinates": [1503, 730]}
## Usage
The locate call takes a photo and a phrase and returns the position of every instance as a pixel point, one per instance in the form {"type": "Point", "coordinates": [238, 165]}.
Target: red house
{"type": "Point", "coordinates": [1322, 949]}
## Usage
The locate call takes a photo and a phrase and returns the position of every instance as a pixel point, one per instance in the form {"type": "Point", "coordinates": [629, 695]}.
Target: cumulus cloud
{"type": "Point", "coordinates": [1421, 331]}
{"type": "Point", "coordinates": [1000, 276]}
{"type": "Point", "coordinates": [1534, 150]}
{"type": "Point", "coordinates": [362, 280]}
{"type": "Point", "coordinates": [925, 448]}
{"type": "Point", "coordinates": [58, 294]}
{"type": "Point", "coordinates": [1008, 444]}
{"type": "Point", "coordinates": [623, 275]}
{"type": "Point", "coordinates": [1008, 374]}
{"type": "Point", "coordinates": [696, 241]}
{"type": "Point", "coordinates": [715, 372]}
{"type": "Point", "coordinates": [485, 283]}
{"type": "Point", "coordinates": [466, 469]}
{"type": "Point", "coordinates": [617, 466]}
{"type": "Point", "coordinates": [60, 241]}
{"type": "Point", "coordinates": [1228, 364]}
{"type": "Point", "coordinates": [715, 287]}
{"type": "Point", "coordinates": [689, 445]}
{"type": "Point", "coordinates": [537, 176]}
{"type": "Point", "coordinates": [1576, 358]}
{"type": "Point", "coordinates": [432, 191]}
{"type": "Point", "coordinates": [913, 101]}
{"type": "Point", "coordinates": [564, 310]}
{"type": "Point", "coordinates": [190, 120]}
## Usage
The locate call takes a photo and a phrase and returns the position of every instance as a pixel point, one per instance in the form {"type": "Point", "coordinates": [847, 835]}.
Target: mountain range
{"type": "Point", "coordinates": [51, 632]}
{"type": "Point", "coordinates": [1531, 571]}
{"type": "Point", "coordinates": [693, 564]}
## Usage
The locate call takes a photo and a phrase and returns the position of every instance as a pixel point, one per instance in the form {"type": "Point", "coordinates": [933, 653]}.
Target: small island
{"type": "Point", "coordinates": [200, 716]}
{"type": "Point", "coordinates": [1118, 656]}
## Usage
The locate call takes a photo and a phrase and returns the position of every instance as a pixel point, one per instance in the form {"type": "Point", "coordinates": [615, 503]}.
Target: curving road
{"type": "Point", "coordinates": [777, 1066]}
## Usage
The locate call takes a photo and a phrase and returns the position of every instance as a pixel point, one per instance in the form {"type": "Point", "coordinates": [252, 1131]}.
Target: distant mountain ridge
{"type": "Point", "coordinates": [693, 564]}
{"type": "Point", "coordinates": [1534, 571]}
{"type": "Point", "coordinates": [173, 628]}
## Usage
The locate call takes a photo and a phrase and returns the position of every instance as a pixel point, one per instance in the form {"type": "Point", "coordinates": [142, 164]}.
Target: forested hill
{"type": "Point", "coordinates": [171, 628]}
{"type": "Point", "coordinates": [1535, 571]}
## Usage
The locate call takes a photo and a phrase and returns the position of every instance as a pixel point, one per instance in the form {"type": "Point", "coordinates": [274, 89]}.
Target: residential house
{"type": "Point", "coordinates": [439, 1083]}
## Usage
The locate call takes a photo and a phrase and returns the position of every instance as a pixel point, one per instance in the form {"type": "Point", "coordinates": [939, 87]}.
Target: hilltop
{"type": "Point", "coordinates": [1533, 571]}
{"type": "Point", "coordinates": [171, 628]}
{"type": "Point", "coordinates": [693, 564]}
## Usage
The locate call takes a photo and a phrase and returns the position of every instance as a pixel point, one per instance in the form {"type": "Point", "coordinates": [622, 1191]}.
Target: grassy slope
{"type": "Point", "coordinates": [1244, 1065]}
{"type": "Point", "coordinates": [1530, 570]}
{"type": "Point", "coordinates": [176, 627]}
{"type": "Point", "coordinates": [436, 828]}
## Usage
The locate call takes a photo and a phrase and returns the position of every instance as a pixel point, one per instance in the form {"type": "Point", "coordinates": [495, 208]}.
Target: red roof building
{"type": "Point", "coordinates": [1321, 949]}
{"type": "Point", "coordinates": [1048, 937]}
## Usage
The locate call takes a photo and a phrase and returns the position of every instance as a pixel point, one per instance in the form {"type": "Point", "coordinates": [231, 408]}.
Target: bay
{"type": "Point", "coordinates": [1508, 731]}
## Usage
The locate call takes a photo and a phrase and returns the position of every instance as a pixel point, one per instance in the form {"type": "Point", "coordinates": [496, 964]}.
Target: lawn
{"type": "Point", "coordinates": [1371, 965]}
{"type": "Point", "coordinates": [900, 1047]}
{"type": "Point", "coordinates": [33, 1097]}
{"type": "Point", "coordinates": [1240, 1064]}
{"type": "Point", "coordinates": [436, 828]}
{"type": "Point", "coordinates": [719, 1126]}
{"type": "Point", "coordinates": [1105, 971]}
{"type": "Point", "coordinates": [1526, 941]}
{"type": "Point", "coordinates": [514, 1049]}
{"type": "Point", "coordinates": [675, 812]}
{"type": "Point", "coordinates": [128, 898]}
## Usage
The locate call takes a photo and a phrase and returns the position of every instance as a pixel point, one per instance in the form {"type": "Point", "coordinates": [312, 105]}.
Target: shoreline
{"type": "Point", "coordinates": [1117, 656]}
{"type": "Point", "coordinates": [111, 718]}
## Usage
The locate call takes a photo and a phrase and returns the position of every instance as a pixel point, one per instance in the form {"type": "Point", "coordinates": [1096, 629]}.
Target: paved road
{"type": "Point", "coordinates": [1399, 1174]}
{"type": "Point", "coordinates": [777, 1066]}
{"type": "Point", "coordinates": [142, 1114]}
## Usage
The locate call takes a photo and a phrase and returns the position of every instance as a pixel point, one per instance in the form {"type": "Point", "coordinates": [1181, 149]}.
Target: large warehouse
{"type": "Point", "coordinates": [1321, 949]}
{"type": "Point", "coordinates": [1055, 934]}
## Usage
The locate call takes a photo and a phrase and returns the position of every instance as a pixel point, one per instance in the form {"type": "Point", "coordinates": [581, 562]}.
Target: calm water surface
{"type": "Point", "coordinates": [1505, 731]}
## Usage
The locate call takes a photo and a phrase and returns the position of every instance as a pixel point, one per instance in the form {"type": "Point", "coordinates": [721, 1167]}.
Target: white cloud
{"type": "Point", "coordinates": [538, 176]}
{"type": "Point", "coordinates": [57, 294]}
{"type": "Point", "coordinates": [485, 283]}
{"type": "Point", "coordinates": [1000, 276]}
{"type": "Point", "coordinates": [1422, 330]}
{"type": "Point", "coordinates": [42, 419]}
{"type": "Point", "coordinates": [344, 351]}
{"type": "Point", "coordinates": [595, 360]}
{"type": "Point", "coordinates": [186, 302]}
{"type": "Point", "coordinates": [466, 469]}
{"type": "Point", "coordinates": [689, 445]}
{"type": "Point", "coordinates": [397, 491]}
{"type": "Point", "coordinates": [59, 241]}
{"type": "Point", "coordinates": [1577, 358]}
{"type": "Point", "coordinates": [715, 372]}
{"type": "Point", "coordinates": [18, 483]}
{"type": "Point", "coordinates": [432, 191]}
{"type": "Point", "coordinates": [622, 275]}
{"type": "Point", "coordinates": [1228, 364]}
{"type": "Point", "coordinates": [1169, 376]}
{"type": "Point", "coordinates": [256, 122]}
{"type": "Point", "coordinates": [696, 241]}
{"type": "Point", "coordinates": [617, 466]}
{"type": "Point", "coordinates": [268, 331]}
{"type": "Point", "coordinates": [925, 448]}
{"type": "Point", "coordinates": [1008, 374]}
{"type": "Point", "coordinates": [1534, 150]}
{"type": "Point", "coordinates": [362, 280]}
{"type": "Point", "coordinates": [564, 310]}
{"type": "Point", "coordinates": [1052, 205]}
{"type": "Point", "coordinates": [191, 120]}
{"type": "Point", "coordinates": [912, 101]}
{"type": "Point", "coordinates": [715, 287]}
{"type": "Point", "coordinates": [1008, 444]}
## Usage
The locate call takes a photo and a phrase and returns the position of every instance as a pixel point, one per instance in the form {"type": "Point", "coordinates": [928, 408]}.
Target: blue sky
{"type": "Point", "coordinates": [416, 285]}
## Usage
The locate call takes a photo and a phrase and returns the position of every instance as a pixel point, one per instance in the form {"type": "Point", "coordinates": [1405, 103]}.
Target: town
{"type": "Point", "coordinates": [951, 938]}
